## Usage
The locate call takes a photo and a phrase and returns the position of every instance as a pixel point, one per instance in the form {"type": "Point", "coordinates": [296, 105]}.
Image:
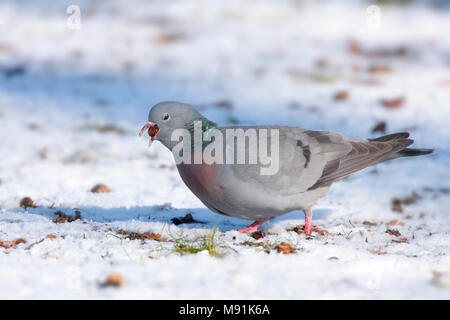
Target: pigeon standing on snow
{"type": "Point", "coordinates": [309, 162]}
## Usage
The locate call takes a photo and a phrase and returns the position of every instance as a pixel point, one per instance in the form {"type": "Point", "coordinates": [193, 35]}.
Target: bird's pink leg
{"type": "Point", "coordinates": [308, 221]}
{"type": "Point", "coordinates": [253, 227]}
{"type": "Point", "coordinates": [308, 225]}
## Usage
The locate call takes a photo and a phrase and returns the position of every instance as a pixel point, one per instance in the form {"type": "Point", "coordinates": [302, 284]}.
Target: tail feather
{"type": "Point", "coordinates": [389, 137]}
{"type": "Point", "coordinates": [406, 152]}
{"type": "Point", "coordinates": [412, 152]}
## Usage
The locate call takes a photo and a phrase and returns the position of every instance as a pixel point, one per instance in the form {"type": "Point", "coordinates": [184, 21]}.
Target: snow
{"type": "Point", "coordinates": [261, 57]}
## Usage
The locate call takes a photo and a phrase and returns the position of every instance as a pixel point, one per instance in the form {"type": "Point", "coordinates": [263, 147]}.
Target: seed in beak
{"type": "Point", "coordinates": [152, 131]}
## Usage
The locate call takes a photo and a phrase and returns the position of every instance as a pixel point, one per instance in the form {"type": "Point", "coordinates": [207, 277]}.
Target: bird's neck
{"type": "Point", "coordinates": [199, 126]}
{"type": "Point", "coordinates": [205, 125]}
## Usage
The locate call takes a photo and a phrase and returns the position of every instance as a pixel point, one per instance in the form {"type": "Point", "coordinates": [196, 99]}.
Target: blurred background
{"type": "Point", "coordinates": [78, 77]}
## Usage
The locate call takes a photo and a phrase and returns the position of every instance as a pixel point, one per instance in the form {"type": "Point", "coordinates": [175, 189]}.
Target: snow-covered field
{"type": "Point", "coordinates": [73, 101]}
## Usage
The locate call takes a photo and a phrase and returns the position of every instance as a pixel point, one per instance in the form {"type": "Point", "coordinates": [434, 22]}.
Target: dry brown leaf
{"type": "Point", "coordinates": [378, 252]}
{"type": "Point", "coordinates": [380, 127]}
{"type": "Point", "coordinates": [285, 247]}
{"type": "Point", "coordinates": [169, 38]}
{"type": "Point", "coordinates": [258, 235]}
{"type": "Point", "coordinates": [394, 232]}
{"type": "Point", "coordinates": [27, 202]}
{"type": "Point", "coordinates": [113, 280]}
{"type": "Point", "coordinates": [12, 243]}
{"type": "Point", "coordinates": [142, 236]}
{"type": "Point", "coordinates": [301, 230]}
{"type": "Point", "coordinates": [61, 217]}
{"type": "Point", "coordinates": [395, 222]}
{"type": "Point", "coordinates": [355, 48]}
{"type": "Point", "coordinates": [100, 188]}
{"type": "Point", "coordinates": [333, 258]}
{"type": "Point", "coordinates": [341, 95]}
{"type": "Point", "coordinates": [380, 68]}
{"type": "Point", "coordinates": [393, 103]}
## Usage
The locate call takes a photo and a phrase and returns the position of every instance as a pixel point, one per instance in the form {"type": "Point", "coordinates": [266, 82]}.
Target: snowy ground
{"type": "Point", "coordinates": [72, 102]}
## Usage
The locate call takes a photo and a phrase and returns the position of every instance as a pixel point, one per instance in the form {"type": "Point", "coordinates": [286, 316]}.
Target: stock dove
{"type": "Point", "coordinates": [309, 161]}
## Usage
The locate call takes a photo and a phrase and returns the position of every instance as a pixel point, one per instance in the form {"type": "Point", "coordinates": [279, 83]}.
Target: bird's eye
{"type": "Point", "coordinates": [166, 116]}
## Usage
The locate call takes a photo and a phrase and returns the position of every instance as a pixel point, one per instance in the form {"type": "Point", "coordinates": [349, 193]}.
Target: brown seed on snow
{"type": "Point", "coordinates": [395, 222]}
{"type": "Point", "coordinates": [333, 258]}
{"type": "Point", "coordinates": [393, 103]}
{"type": "Point", "coordinates": [258, 235]}
{"type": "Point", "coordinates": [380, 127]}
{"type": "Point", "coordinates": [378, 252]}
{"type": "Point", "coordinates": [169, 38]}
{"type": "Point", "coordinates": [285, 247]}
{"type": "Point", "coordinates": [368, 223]}
{"type": "Point", "coordinates": [142, 236]}
{"type": "Point", "coordinates": [341, 95]}
{"type": "Point", "coordinates": [380, 68]}
{"type": "Point", "coordinates": [393, 232]}
{"type": "Point", "coordinates": [27, 202]}
{"type": "Point", "coordinates": [113, 280]}
{"type": "Point", "coordinates": [12, 243]}
{"type": "Point", "coordinates": [100, 188]}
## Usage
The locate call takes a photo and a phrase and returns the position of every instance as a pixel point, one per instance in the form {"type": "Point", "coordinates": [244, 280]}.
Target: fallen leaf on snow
{"type": "Point", "coordinates": [402, 240]}
{"type": "Point", "coordinates": [285, 247]}
{"type": "Point", "coordinates": [61, 217]}
{"type": "Point", "coordinates": [100, 188]}
{"type": "Point", "coordinates": [27, 202]}
{"type": "Point", "coordinates": [142, 236]}
{"type": "Point", "coordinates": [380, 68]}
{"type": "Point", "coordinates": [394, 232]}
{"type": "Point", "coordinates": [341, 95]}
{"type": "Point", "coordinates": [113, 280]}
{"type": "Point", "coordinates": [393, 103]}
{"type": "Point", "coordinates": [395, 222]}
{"type": "Point", "coordinates": [301, 230]}
{"type": "Point", "coordinates": [378, 252]}
{"type": "Point", "coordinates": [258, 235]}
{"type": "Point", "coordinates": [380, 127]}
{"type": "Point", "coordinates": [12, 243]}
{"type": "Point", "coordinates": [333, 258]}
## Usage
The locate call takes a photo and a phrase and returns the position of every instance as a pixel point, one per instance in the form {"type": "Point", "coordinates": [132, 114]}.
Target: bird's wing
{"type": "Point", "coordinates": [309, 159]}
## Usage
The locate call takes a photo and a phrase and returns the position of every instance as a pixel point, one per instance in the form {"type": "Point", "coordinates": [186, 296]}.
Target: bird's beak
{"type": "Point", "coordinates": [152, 131]}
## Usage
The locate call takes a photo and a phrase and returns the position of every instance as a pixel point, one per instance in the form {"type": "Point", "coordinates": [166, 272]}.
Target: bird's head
{"type": "Point", "coordinates": [165, 117]}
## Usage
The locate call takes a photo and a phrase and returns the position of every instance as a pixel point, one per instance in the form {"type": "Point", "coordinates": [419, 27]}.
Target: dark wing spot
{"type": "Point", "coordinates": [323, 139]}
{"type": "Point", "coordinates": [306, 152]}
{"type": "Point", "coordinates": [313, 133]}
{"type": "Point", "coordinates": [307, 155]}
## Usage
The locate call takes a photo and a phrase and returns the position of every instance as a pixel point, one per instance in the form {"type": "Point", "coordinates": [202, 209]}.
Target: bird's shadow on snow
{"type": "Point", "coordinates": [165, 213]}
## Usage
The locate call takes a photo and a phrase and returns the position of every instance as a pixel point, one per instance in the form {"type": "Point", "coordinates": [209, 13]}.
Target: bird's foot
{"type": "Point", "coordinates": [253, 227]}
{"type": "Point", "coordinates": [309, 228]}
